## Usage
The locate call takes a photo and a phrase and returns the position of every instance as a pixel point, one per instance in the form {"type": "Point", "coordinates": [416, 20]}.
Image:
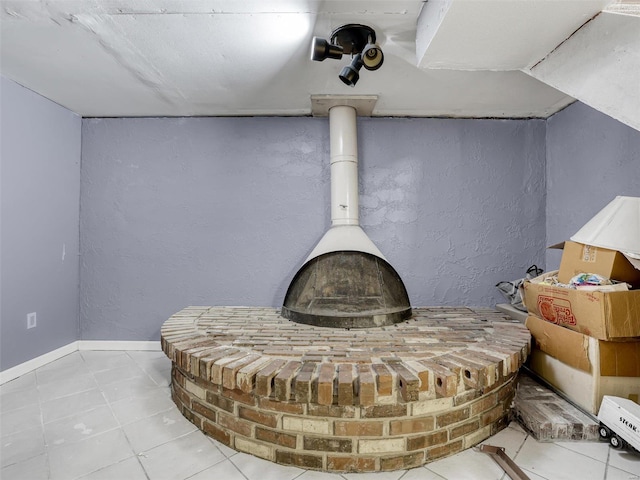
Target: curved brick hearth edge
{"type": "Point", "coordinates": [342, 400]}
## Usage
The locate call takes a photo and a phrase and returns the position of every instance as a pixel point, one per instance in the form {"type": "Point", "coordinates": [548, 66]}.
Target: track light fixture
{"type": "Point", "coordinates": [321, 49]}
{"type": "Point", "coordinates": [351, 73]}
{"type": "Point", "coordinates": [372, 56]}
{"type": "Point", "coordinates": [356, 40]}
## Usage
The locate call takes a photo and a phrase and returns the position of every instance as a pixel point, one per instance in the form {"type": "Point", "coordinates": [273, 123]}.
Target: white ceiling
{"type": "Point", "coordinates": [460, 58]}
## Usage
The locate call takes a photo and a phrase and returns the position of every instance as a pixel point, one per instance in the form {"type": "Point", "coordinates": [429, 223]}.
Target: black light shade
{"type": "Point", "coordinates": [372, 56]}
{"type": "Point", "coordinates": [353, 39]}
{"type": "Point", "coordinates": [321, 49]}
{"type": "Point", "coordinates": [349, 74]}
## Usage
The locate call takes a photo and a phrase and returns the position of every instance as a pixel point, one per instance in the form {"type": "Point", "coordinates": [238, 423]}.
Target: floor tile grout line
{"type": "Point", "coordinates": [44, 438]}
{"type": "Point", "coordinates": [124, 433]}
{"type": "Point", "coordinates": [47, 447]}
{"type": "Point", "coordinates": [505, 476]}
{"type": "Point", "coordinates": [105, 467]}
{"type": "Point", "coordinates": [224, 459]}
{"type": "Point", "coordinates": [164, 443]}
{"type": "Point", "coordinates": [69, 395]}
{"type": "Point", "coordinates": [536, 474]}
{"type": "Point", "coordinates": [137, 455]}
{"type": "Point", "coordinates": [405, 473]}
{"type": "Point", "coordinates": [584, 455]}
{"type": "Point", "coordinates": [144, 418]}
{"type": "Point", "coordinates": [519, 449]}
{"type": "Point", "coordinates": [435, 473]}
{"type": "Point", "coordinates": [636, 474]}
{"type": "Point", "coordinates": [7, 385]}
{"type": "Point", "coordinates": [143, 369]}
{"type": "Point", "coordinates": [215, 444]}
{"type": "Point", "coordinates": [75, 413]}
{"type": "Point", "coordinates": [109, 430]}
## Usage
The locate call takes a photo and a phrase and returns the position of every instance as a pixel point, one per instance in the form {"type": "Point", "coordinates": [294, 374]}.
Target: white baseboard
{"type": "Point", "coordinates": [30, 365]}
{"type": "Point", "coordinates": [83, 345]}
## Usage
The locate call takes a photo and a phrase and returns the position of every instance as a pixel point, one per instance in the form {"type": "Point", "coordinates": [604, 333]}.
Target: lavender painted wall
{"type": "Point", "coordinates": [222, 211]}
{"type": "Point", "coordinates": [591, 158]}
{"type": "Point", "coordinates": [40, 183]}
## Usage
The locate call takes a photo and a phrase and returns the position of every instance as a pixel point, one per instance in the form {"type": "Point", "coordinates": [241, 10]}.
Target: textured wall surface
{"type": "Point", "coordinates": [39, 210]}
{"type": "Point", "coordinates": [591, 158]}
{"type": "Point", "coordinates": [223, 211]}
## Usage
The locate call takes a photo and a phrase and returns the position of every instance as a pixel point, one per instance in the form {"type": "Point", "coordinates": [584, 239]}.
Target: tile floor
{"type": "Point", "coordinates": [96, 415]}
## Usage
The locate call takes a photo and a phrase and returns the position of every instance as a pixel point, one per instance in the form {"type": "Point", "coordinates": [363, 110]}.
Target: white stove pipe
{"type": "Point", "coordinates": [345, 233]}
{"type": "Point", "coordinates": [344, 166]}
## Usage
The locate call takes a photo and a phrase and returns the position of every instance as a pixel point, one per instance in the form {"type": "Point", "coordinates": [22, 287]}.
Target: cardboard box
{"type": "Point", "coordinates": [603, 315]}
{"type": "Point", "coordinates": [612, 359]}
{"type": "Point", "coordinates": [579, 258]}
{"type": "Point", "coordinates": [584, 368]}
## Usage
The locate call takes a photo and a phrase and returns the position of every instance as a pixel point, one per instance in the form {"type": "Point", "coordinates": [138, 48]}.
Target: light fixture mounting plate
{"type": "Point", "coordinates": [364, 104]}
{"type": "Point", "coordinates": [353, 37]}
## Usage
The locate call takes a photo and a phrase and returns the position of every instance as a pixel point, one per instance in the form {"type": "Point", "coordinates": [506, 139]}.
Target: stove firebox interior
{"type": "Point", "coordinates": [347, 289]}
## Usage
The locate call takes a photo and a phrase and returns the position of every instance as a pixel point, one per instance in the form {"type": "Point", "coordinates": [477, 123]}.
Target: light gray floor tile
{"type": "Point", "coordinates": [136, 386]}
{"type": "Point", "coordinates": [142, 356]}
{"type": "Point", "coordinates": [226, 451]}
{"type": "Point", "coordinates": [315, 475]}
{"type": "Point", "coordinates": [511, 439]}
{"type": "Point", "coordinates": [67, 367]}
{"type": "Point", "coordinates": [25, 418]}
{"type": "Point", "coordinates": [13, 400]}
{"type": "Point", "coordinates": [375, 476]}
{"type": "Point", "coordinates": [72, 460]}
{"type": "Point", "coordinates": [98, 361]}
{"type": "Point", "coordinates": [530, 474]}
{"type": "Point", "coordinates": [166, 462]}
{"type": "Point", "coordinates": [73, 358]}
{"type": "Point", "coordinates": [552, 461]}
{"type": "Point", "coordinates": [35, 468]}
{"type": "Point", "coordinates": [129, 469]}
{"type": "Point", "coordinates": [624, 460]}
{"type": "Point", "coordinates": [255, 468]}
{"type": "Point", "coordinates": [157, 429]}
{"type": "Point", "coordinates": [421, 473]}
{"type": "Point", "coordinates": [67, 386]}
{"type": "Point", "coordinates": [159, 370]}
{"type": "Point", "coordinates": [467, 465]}
{"type": "Point", "coordinates": [71, 404]}
{"type": "Point", "coordinates": [80, 426]}
{"type": "Point", "coordinates": [136, 408]}
{"type": "Point", "coordinates": [24, 382]}
{"type": "Point", "coordinates": [614, 473]}
{"type": "Point", "coordinates": [596, 450]}
{"type": "Point", "coordinates": [224, 470]}
{"type": "Point", "coordinates": [22, 446]}
{"type": "Point", "coordinates": [516, 426]}
{"type": "Point", "coordinates": [118, 374]}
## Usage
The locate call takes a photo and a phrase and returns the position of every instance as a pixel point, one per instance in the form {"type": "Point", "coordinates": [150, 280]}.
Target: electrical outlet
{"type": "Point", "coordinates": [31, 320]}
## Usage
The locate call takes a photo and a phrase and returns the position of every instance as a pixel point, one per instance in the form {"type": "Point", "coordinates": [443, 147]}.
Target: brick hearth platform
{"type": "Point", "coordinates": [357, 400]}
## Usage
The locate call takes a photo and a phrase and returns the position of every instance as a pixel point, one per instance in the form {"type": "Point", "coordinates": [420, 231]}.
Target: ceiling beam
{"type": "Point", "coordinates": [599, 65]}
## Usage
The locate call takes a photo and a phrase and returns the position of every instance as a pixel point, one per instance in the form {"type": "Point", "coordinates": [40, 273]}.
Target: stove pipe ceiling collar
{"type": "Point", "coordinates": [353, 39]}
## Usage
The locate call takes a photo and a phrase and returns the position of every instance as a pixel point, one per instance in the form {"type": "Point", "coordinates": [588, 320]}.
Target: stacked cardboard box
{"type": "Point", "coordinates": [587, 342]}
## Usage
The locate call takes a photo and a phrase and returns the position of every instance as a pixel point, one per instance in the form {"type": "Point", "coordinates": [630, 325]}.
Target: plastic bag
{"type": "Point", "coordinates": [511, 290]}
